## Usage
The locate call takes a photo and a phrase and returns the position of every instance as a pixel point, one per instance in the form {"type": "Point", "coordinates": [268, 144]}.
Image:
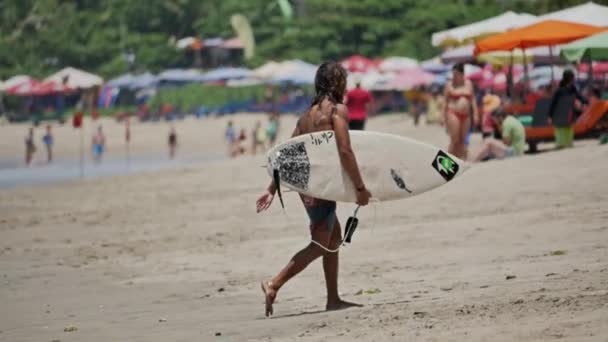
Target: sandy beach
{"type": "Point", "coordinates": [515, 250]}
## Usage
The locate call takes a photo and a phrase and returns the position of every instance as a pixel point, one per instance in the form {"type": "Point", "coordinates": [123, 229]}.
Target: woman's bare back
{"type": "Point", "coordinates": [318, 118]}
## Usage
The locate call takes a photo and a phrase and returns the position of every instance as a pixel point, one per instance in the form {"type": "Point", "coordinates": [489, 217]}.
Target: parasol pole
{"type": "Point", "coordinates": [523, 51]}
{"type": "Point", "coordinates": [590, 71]}
{"type": "Point", "coordinates": [551, 59]}
{"type": "Point", "coordinates": [82, 150]}
{"type": "Point", "coordinates": [510, 78]}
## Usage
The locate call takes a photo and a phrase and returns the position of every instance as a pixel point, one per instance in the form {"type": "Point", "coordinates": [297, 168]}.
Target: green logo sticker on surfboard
{"type": "Point", "coordinates": [445, 165]}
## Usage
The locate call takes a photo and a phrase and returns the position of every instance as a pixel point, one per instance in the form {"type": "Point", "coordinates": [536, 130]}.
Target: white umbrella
{"type": "Point", "coordinates": [75, 78]}
{"type": "Point", "coordinates": [589, 14]}
{"type": "Point", "coordinates": [498, 24]}
{"type": "Point", "coordinates": [396, 64]}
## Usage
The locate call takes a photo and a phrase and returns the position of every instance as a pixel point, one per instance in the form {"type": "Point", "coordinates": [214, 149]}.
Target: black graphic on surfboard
{"type": "Point", "coordinates": [293, 165]}
{"type": "Point", "coordinates": [445, 165]}
{"type": "Point", "coordinates": [399, 181]}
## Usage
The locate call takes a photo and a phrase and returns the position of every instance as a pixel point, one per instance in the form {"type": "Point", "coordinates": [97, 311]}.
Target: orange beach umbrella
{"type": "Point", "coordinates": [549, 32]}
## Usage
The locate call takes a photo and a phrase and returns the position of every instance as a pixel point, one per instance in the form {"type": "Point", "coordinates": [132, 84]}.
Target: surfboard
{"type": "Point", "coordinates": [393, 167]}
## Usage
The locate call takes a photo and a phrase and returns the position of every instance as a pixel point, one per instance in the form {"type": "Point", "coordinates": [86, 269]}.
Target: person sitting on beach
{"type": "Point", "coordinates": [30, 147]}
{"type": "Point", "coordinates": [513, 141]}
{"type": "Point", "coordinates": [325, 113]}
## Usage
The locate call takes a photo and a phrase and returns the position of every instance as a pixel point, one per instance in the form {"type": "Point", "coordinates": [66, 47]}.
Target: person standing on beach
{"type": "Point", "coordinates": [258, 136]}
{"type": "Point", "coordinates": [325, 113]}
{"type": "Point", "coordinates": [272, 130]}
{"type": "Point", "coordinates": [459, 103]}
{"type": "Point", "coordinates": [30, 147]}
{"type": "Point", "coordinates": [48, 141]}
{"type": "Point", "coordinates": [98, 144]}
{"type": "Point", "coordinates": [172, 142]}
{"type": "Point", "coordinates": [230, 137]}
{"type": "Point", "coordinates": [562, 110]}
{"type": "Point", "coordinates": [357, 102]}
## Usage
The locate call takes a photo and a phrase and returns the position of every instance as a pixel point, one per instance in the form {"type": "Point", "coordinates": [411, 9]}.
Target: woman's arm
{"type": "Point", "coordinates": [347, 156]}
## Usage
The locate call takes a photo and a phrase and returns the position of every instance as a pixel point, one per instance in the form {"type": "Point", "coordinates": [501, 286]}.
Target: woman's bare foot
{"type": "Point", "coordinates": [270, 295]}
{"type": "Point", "coordinates": [340, 305]}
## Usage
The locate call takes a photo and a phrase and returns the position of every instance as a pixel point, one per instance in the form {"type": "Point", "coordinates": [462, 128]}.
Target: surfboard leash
{"type": "Point", "coordinates": [277, 182]}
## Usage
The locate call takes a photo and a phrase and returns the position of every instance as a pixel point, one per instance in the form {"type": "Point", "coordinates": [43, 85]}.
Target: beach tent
{"type": "Point", "coordinates": [224, 74]}
{"type": "Point", "coordinates": [23, 88]}
{"type": "Point", "coordinates": [75, 78]}
{"type": "Point", "coordinates": [14, 81]}
{"type": "Point", "coordinates": [594, 48]}
{"type": "Point", "coordinates": [122, 81]}
{"type": "Point", "coordinates": [395, 64]}
{"type": "Point", "coordinates": [545, 33]}
{"type": "Point", "coordinates": [589, 14]}
{"type": "Point", "coordinates": [463, 34]}
{"type": "Point", "coordinates": [179, 76]}
{"type": "Point", "coordinates": [132, 81]}
{"type": "Point", "coordinates": [267, 70]}
{"type": "Point", "coordinates": [145, 80]}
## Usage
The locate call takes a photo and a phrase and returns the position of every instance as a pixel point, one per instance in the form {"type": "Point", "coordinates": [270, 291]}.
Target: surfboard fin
{"type": "Point", "coordinates": [277, 183]}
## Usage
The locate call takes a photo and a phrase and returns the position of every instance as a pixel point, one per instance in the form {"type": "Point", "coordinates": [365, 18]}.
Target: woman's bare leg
{"type": "Point", "coordinates": [297, 263]}
{"type": "Point", "coordinates": [463, 131]}
{"type": "Point", "coordinates": [330, 269]}
{"type": "Point", "coordinates": [453, 126]}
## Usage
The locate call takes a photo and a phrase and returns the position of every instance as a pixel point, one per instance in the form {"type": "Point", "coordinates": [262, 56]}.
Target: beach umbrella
{"type": "Point", "coordinates": [466, 33]}
{"type": "Point", "coordinates": [594, 47]}
{"type": "Point", "coordinates": [395, 64]}
{"type": "Point", "coordinates": [358, 63]}
{"type": "Point", "coordinates": [434, 65]}
{"type": "Point", "coordinates": [409, 78]}
{"type": "Point", "coordinates": [589, 13]}
{"type": "Point", "coordinates": [223, 74]}
{"type": "Point", "coordinates": [545, 33]}
{"type": "Point", "coordinates": [75, 78]}
{"type": "Point", "coordinates": [466, 53]}
{"type": "Point", "coordinates": [295, 71]}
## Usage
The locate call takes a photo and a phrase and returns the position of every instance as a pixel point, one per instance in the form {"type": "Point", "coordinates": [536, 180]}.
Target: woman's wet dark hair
{"type": "Point", "coordinates": [458, 67]}
{"type": "Point", "coordinates": [330, 83]}
{"type": "Point", "coordinates": [567, 78]}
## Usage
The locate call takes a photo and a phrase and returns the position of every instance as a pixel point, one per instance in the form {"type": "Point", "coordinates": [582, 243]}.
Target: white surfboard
{"type": "Point", "coordinates": [392, 167]}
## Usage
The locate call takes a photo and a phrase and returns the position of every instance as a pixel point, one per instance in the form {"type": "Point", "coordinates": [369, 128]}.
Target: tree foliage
{"type": "Point", "coordinates": [40, 36]}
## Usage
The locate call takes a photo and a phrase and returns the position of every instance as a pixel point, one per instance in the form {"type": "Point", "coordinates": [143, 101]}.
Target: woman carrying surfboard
{"type": "Point", "coordinates": [327, 112]}
{"type": "Point", "coordinates": [459, 102]}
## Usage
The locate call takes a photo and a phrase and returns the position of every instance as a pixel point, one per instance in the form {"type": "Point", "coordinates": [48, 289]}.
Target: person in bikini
{"type": "Point", "coordinates": [459, 101]}
{"type": "Point", "coordinates": [325, 113]}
